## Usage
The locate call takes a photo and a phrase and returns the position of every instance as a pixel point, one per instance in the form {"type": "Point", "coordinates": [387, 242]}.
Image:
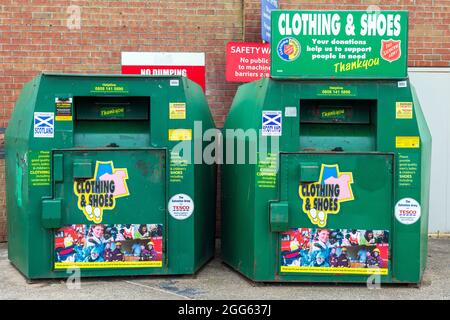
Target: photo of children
{"type": "Point", "coordinates": [127, 244]}
{"type": "Point", "coordinates": [305, 250]}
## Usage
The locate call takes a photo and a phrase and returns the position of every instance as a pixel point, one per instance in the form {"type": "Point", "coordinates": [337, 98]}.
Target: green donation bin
{"type": "Point", "coordinates": [335, 185]}
{"type": "Point", "coordinates": [100, 177]}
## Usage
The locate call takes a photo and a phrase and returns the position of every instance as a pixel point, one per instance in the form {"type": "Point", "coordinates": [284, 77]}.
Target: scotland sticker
{"type": "Point", "coordinates": [44, 123]}
{"type": "Point", "coordinates": [181, 206]}
{"type": "Point", "coordinates": [407, 211]}
{"type": "Point", "coordinates": [288, 49]}
{"type": "Point", "coordinates": [272, 123]}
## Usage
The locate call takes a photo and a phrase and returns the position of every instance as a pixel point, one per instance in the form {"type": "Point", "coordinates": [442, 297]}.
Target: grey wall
{"type": "Point", "coordinates": [433, 88]}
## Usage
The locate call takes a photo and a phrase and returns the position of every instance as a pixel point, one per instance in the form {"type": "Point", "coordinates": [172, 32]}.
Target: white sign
{"type": "Point", "coordinates": [407, 211]}
{"type": "Point", "coordinates": [187, 64]}
{"type": "Point", "coordinates": [44, 125]}
{"type": "Point", "coordinates": [272, 123]}
{"type": "Point", "coordinates": [290, 111]}
{"type": "Point", "coordinates": [181, 206]}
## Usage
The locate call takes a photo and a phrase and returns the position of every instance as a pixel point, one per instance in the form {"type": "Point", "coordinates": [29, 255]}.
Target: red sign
{"type": "Point", "coordinates": [246, 61]}
{"type": "Point", "coordinates": [390, 50]}
{"type": "Point", "coordinates": [186, 64]}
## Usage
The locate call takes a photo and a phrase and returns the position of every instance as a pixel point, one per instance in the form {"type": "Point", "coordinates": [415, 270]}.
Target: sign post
{"type": "Point", "coordinates": [266, 8]}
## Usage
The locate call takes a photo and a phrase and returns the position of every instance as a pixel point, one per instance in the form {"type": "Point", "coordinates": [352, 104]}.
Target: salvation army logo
{"type": "Point", "coordinates": [390, 50]}
{"type": "Point", "coordinates": [181, 206]}
{"type": "Point", "coordinates": [288, 49]}
{"type": "Point", "coordinates": [100, 193]}
{"type": "Point", "coordinates": [407, 211]}
{"type": "Point", "coordinates": [325, 196]}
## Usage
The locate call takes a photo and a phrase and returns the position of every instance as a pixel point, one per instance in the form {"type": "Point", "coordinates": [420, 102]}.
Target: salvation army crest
{"type": "Point", "coordinates": [390, 50]}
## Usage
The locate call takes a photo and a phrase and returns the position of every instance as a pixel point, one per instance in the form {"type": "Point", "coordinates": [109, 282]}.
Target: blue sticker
{"type": "Point", "coordinates": [44, 125]}
{"type": "Point", "coordinates": [272, 123]}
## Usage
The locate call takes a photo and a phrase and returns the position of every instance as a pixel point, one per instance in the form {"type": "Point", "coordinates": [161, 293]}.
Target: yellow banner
{"type": "Point", "coordinates": [180, 134]}
{"type": "Point", "coordinates": [340, 270]}
{"type": "Point", "coordinates": [63, 118]}
{"type": "Point", "coordinates": [109, 265]}
{"type": "Point", "coordinates": [407, 142]}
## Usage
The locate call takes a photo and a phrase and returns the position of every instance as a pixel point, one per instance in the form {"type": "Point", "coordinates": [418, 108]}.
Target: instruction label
{"type": "Point", "coordinates": [407, 170]}
{"type": "Point", "coordinates": [177, 168]}
{"type": "Point", "coordinates": [63, 109]}
{"type": "Point", "coordinates": [407, 142]}
{"type": "Point", "coordinates": [177, 110]}
{"type": "Point", "coordinates": [180, 134]}
{"type": "Point", "coordinates": [403, 110]}
{"type": "Point", "coordinates": [266, 171]}
{"type": "Point", "coordinates": [39, 168]}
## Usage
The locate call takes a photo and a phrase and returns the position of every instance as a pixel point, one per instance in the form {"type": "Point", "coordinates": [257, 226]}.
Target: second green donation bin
{"type": "Point", "coordinates": [96, 182]}
{"type": "Point", "coordinates": [335, 182]}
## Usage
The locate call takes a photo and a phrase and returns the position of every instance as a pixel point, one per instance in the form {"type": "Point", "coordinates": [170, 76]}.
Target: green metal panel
{"type": "Point", "coordinates": [372, 179]}
{"type": "Point", "coordinates": [386, 151]}
{"type": "Point", "coordinates": [104, 158]}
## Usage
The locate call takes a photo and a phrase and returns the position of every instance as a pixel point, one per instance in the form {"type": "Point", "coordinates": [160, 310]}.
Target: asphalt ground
{"type": "Point", "coordinates": [218, 281]}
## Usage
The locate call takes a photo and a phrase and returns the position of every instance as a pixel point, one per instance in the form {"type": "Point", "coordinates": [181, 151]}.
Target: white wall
{"type": "Point", "coordinates": [433, 88]}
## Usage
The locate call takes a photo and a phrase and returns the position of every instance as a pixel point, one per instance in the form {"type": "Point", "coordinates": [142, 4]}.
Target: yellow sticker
{"type": "Point", "coordinates": [407, 142]}
{"type": "Point", "coordinates": [177, 110]}
{"type": "Point", "coordinates": [403, 110]}
{"type": "Point", "coordinates": [63, 118]}
{"type": "Point", "coordinates": [180, 134]}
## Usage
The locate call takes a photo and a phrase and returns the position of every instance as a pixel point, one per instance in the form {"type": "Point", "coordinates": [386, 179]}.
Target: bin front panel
{"type": "Point", "coordinates": [111, 200]}
{"type": "Point", "coordinates": [336, 201]}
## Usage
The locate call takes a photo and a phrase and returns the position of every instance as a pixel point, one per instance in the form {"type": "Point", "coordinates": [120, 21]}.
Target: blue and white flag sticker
{"type": "Point", "coordinates": [272, 123]}
{"type": "Point", "coordinates": [44, 125]}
